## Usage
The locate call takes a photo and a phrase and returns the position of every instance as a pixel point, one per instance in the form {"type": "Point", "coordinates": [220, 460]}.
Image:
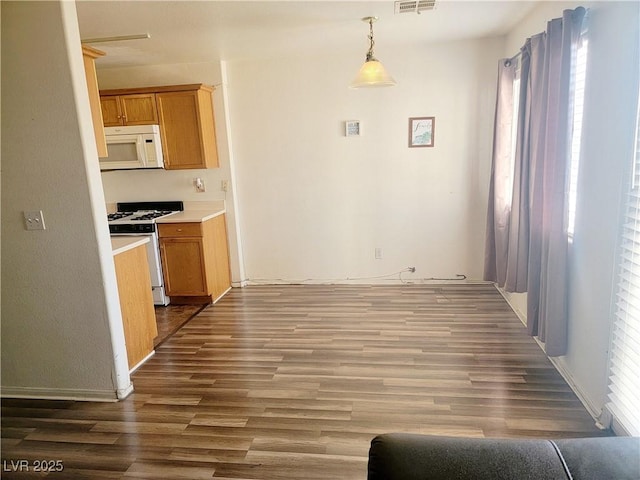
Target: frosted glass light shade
{"type": "Point", "coordinates": [372, 74]}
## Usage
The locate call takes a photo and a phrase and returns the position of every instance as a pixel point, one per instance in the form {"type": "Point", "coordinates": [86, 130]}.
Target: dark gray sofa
{"type": "Point", "coordinates": [401, 456]}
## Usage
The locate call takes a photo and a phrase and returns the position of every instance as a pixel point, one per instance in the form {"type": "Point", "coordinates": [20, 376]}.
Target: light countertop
{"type": "Point", "coordinates": [191, 216]}
{"type": "Point", "coordinates": [195, 212]}
{"type": "Point", "coordinates": [121, 244]}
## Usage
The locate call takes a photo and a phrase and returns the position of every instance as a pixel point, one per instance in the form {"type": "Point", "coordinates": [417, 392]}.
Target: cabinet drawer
{"type": "Point", "coordinates": [179, 229]}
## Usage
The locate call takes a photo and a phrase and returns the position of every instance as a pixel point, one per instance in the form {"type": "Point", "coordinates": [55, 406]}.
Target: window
{"type": "Point", "coordinates": [577, 84]}
{"type": "Point", "coordinates": [577, 87]}
{"type": "Point", "coordinates": [624, 362]}
{"type": "Point", "coordinates": [514, 122]}
{"type": "Point", "coordinates": [514, 132]}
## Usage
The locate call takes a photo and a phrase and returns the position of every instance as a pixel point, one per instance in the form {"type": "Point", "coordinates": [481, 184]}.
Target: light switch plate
{"type": "Point", "coordinates": [34, 220]}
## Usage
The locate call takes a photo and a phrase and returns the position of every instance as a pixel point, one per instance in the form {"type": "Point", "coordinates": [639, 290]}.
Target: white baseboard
{"type": "Point", "coordinates": [65, 394]}
{"type": "Point", "coordinates": [595, 412]}
{"type": "Point", "coordinates": [222, 295]}
{"type": "Point", "coordinates": [366, 281]}
{"type": "Point", "coordinates": [139, 364]}
{"type": "Point", "coordinates": [125, 392]}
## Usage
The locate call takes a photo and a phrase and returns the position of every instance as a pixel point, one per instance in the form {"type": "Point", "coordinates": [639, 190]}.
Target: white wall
{"type": "Point", "coordinates": [315, 204]}
{"type": "Point", "coordinates": [61, 325]}
{"type": "Point", "coordinates": [610, 110]}
{"type": "Point", "coordinates": [611, 91]}
{"type": "Point", "coordinates": [323, 216]}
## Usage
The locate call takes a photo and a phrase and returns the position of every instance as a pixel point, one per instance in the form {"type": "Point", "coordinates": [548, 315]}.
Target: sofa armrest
{"type": "Point", "coordinates": [602, 458]}
{"type": "Point", "coordinates": [400, 456]}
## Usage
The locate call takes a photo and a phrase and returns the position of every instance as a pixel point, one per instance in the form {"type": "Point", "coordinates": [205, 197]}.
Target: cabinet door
{"type": "Point", "coordinates": [139, 109]}
{"type": "Point", "coordinates": [136, 303]}
{"type": "Point", "coordinates": [111, 111]}
{"type": "Point", "coordinates": [216, 246]}
{"type": "Point", "coordinates": [183, 266]}
{"type": "Point", "coordinates": [187, 129]}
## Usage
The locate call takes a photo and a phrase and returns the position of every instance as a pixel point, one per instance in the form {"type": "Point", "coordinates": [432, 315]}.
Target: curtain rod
{"type": "Point", "coordinates": [508, 61]}
{"type": "Point", "coordinates": [584, 29]}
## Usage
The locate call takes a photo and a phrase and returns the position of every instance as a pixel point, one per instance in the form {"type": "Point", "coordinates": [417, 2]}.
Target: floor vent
{"type": "Point", "coordinates": [414, 6]}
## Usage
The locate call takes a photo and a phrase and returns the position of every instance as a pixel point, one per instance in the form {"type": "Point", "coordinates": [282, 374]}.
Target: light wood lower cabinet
{"type": "Point", "coordinates": [195, 258]}
{"type": "Point", "coordinates": [136, 303]}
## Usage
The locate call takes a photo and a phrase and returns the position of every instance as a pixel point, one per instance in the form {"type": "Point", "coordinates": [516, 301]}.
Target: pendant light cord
{"type": "Point", "coordinates": [370, 56]}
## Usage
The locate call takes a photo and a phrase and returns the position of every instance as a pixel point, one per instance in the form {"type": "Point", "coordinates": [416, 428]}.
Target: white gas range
{"type": "Point", "coordinates": [139, 218]}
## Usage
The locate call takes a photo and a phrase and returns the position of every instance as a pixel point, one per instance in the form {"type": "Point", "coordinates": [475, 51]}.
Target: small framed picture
{"type": "Point", "coordinates": [352, 128]}
{"type": "Point", "coordinates": [421, 131]}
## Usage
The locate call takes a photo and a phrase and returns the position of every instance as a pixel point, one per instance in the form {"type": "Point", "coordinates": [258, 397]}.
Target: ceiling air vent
{"type": "Point", "coordinates": [414, 6]}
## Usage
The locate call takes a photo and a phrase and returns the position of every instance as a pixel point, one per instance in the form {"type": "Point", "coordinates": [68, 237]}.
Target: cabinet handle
{"type": "Point", "coordinates": [179, 229]}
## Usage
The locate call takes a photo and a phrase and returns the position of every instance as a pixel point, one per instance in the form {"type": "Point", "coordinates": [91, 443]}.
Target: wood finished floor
{"type": "Point", "coordinates": [170, 318]}
{"type": "Point", "coordinates": [292, 382]}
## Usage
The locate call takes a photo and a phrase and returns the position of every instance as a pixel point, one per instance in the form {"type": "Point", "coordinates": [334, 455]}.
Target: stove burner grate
{"type": "Point", "coordinates": [118, 215]}
{"type": "Point", "coordinates": [151, 215]}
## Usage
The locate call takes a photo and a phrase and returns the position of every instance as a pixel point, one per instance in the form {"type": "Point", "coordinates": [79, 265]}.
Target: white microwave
{"type": "Point", "coordinates": [136, 146]}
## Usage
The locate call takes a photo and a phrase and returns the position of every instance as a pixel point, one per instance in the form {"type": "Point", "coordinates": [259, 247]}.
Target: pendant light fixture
{"type": "Point", "coordinates": [372, 73]}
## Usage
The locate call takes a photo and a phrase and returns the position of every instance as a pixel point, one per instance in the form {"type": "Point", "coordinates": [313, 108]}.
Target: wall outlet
{"type": "Point", "coordinates": [378, 253]}
{"type": "Point", "coordinates": [34, 220]}
{"type": "Point", "coordinates": [224, 185]}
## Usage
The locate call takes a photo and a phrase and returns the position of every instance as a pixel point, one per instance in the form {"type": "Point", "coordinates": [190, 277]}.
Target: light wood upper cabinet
{"type": "Point", "coordinates": [111, 111]}
{"type": "Point", "coordinates": [187, 129]}
{"type": "Point", "coordinates": [184, 113]}
{"type": "Point", "coordinates": [195, 258]}
{"type": "Point", "coordinates": [135, 109]}
{"type": "Point", "coordinates": [89, 56]}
